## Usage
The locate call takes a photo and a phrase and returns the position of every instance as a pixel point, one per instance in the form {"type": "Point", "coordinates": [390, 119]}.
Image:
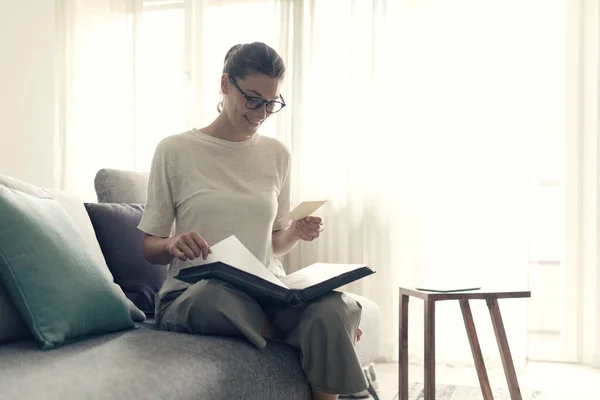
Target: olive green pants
{"type": "Point", "coordinates": [324, 330]}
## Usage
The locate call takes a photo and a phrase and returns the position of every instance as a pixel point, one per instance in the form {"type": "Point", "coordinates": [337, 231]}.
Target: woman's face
{"type": "Point", "coordinates": [255, 86]}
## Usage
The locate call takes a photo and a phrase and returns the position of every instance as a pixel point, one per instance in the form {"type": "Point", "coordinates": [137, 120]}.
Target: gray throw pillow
{"type": "Point", "coordinates": [12, 325]}
{"type": "Point", "coordinates": [121, 186]}
{"type": "Point", "coordinates": [121, 242]}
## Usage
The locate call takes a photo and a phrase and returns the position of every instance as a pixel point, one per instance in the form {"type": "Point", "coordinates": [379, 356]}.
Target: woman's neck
{"type": "Point", "coordinates": [222, 128]}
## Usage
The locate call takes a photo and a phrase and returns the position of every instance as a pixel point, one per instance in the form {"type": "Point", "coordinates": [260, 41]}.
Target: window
{"type": "Point", "coordinates": [254, 21]}
{"type": "Point", "coordinates": [160, 80]}
{"type": "Point", "coordinates": [164, 70]}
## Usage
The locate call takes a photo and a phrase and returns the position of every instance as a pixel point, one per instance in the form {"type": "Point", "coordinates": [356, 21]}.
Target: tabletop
{"type": "Point", "coordinates": [465, 295]}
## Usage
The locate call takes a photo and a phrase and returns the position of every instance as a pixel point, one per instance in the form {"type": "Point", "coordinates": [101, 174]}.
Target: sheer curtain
{"type": "Point", "coordinates": [121, 85]}
{"type": "Point", "coordinates": [418, 121]}
{"type": "Point", "coordinates": [588, 118]}
{"type": "Point", "coordinates": [95, 49]}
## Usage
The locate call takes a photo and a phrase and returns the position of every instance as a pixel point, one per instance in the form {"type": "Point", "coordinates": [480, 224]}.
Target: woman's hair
{"type": "Point", "coordinates": [244, 59]}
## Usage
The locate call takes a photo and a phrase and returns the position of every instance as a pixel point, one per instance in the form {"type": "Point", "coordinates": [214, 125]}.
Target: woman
{"type": "Point", "coordinates": [226, 179]}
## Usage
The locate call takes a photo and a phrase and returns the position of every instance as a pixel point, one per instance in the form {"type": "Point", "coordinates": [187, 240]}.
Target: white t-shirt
{"type": "Point", "coordinates": [218, 188]}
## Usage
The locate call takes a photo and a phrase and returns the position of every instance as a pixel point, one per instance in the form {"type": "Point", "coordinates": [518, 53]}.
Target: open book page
{"type": "Point", "coordinates": [232, 252]}
{"type": "Point", "coordinates": [317, 273]}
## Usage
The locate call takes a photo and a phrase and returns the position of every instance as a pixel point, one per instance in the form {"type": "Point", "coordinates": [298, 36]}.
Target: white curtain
{"type": "Point", "coordinates": [120, 86]}
{"type": "Point", "coordinates": [587, 118]}
{"type": "Point", "coordinates": [96, 51]}
{"type": "Point", "coordinates": [418, 121]}
{"type": "Point", "coordinates": [424, 123]}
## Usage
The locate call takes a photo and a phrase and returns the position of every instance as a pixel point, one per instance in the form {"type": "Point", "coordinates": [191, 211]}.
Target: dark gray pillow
{"type": "Point", "coordinates": [115, 225]}
{"type": "Point", "coordinates": [12, 325]}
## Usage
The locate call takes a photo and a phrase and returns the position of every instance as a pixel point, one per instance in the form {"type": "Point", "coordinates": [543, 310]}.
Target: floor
{"type": "Point", "coordinates": [540, 376]}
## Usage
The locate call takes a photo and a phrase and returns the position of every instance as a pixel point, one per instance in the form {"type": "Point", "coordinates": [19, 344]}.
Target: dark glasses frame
{"type": "Point", "coordinates": [271, 104]}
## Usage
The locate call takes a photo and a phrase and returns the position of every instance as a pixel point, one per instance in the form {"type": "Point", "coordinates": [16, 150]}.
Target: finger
{"type": "Point", "coordinates": [310, 230]}
{"type": "Point", "coordinates": [178, 254]}
{"type": "Point", "coordinates": [312, 226]}
{"type": "Point", "coordinates": [304, 235]}
{"type": "Point", "coordinates": [299, 233]}
{"type": "Point", "coordinates": [300, 228]}
{"type": "Point", "coordinates": [314, 219]}
{"type": "Point", "coordinates": [191, 243]}
{"type": "Point", "coordinates": [312, 233]}
{"type": "Point", "coordinates": [204, 248]}
{"type": "Point", "coordinates": [186, 250]}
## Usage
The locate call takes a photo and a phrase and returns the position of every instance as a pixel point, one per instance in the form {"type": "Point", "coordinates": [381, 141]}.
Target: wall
{"type": "Point", "coordinates": [27, 103]}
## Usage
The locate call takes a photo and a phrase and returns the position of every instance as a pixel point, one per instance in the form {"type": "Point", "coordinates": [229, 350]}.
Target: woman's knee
{"type": "Point", "coordinates": [203, 291]}
{"type": "Point", "coordinates": [213, 296]}
{"type": "Point", "coordinates": [215, 307]}
{"type": "Point", "coordinates": [336, 309]}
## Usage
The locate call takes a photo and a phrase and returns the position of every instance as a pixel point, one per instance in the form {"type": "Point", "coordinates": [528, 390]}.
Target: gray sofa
{"type": "Point", "coordinates": [149, 364]}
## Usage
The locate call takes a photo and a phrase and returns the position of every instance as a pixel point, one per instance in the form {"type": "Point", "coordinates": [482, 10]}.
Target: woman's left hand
{"type": "Point", "coordinates": [308, 228]}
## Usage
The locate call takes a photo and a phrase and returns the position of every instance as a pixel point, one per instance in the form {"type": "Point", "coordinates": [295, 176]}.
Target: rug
{"type": "Point", "coordinates": [453, 392]}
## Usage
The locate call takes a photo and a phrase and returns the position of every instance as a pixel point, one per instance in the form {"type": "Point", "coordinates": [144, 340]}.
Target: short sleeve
{"type": "Point", "coordinates": [159, 212]}
{"type": "Point", "coordinates": [283, 201]}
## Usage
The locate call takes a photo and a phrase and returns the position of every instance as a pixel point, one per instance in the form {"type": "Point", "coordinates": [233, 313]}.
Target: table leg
{"type": "Point", "coordinates": [484, 382]}
{"type": "Point", "coordinates": [505, 356]}
{"type": "Point", "coordinates": [429, 350]}
{"type": "Point", "coordinates": [403, 350]}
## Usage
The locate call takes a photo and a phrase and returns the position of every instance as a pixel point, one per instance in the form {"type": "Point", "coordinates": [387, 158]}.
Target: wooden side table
{"type": "Point", "coordinates": [430, 299]}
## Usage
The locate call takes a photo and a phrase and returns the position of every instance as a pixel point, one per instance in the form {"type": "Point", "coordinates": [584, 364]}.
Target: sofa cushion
{"type": "Point", "coordinates": [121, 242]}
{"type": "Point", "coordinates": [75, 208]}
{"type": "Point", "coordinates": [119, 186]}
{"type": "Point", "coordinates": [150, 364]}
{"type": "Point", "coordinates": [61, 292]}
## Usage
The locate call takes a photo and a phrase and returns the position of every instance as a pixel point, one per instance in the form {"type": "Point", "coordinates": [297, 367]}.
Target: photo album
{"type": "Point", "coordinates": [233, 263]}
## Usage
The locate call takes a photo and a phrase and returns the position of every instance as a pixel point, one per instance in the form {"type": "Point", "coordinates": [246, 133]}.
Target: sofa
{"type": "Point", "coordinates": [138, 361]}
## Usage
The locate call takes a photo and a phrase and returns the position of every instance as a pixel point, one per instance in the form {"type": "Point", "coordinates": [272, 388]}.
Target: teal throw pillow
{"type": "Point", "coordinates": [51, 276]}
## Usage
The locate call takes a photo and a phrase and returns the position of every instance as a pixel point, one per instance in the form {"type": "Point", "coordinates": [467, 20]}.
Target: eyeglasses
{"type": "Point", "coordinates": [254, 103]}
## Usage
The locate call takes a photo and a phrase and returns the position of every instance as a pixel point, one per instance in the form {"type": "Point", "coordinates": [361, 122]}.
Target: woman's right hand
{"type": "Point", "coordinates": [187, 246]}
